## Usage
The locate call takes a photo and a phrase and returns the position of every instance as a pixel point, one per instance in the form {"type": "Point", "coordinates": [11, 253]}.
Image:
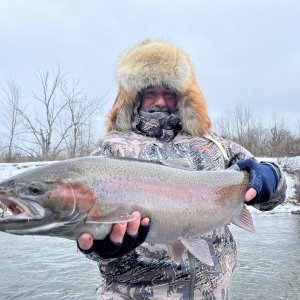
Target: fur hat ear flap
{"type": "Point", "coordinates": [121, 114]}
{"type": "Point", "coordinates": [193, 111]}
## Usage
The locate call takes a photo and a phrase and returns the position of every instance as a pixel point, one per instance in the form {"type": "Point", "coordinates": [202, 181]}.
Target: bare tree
{"type": "Point", "coordinates": [10, 106]}
{"type": "Point", "coordinates": [224, 125]}
{"type": "Point", "coordinates": [62, 123]}
{"type": "Point", "coordinates": [46, 136]}
{"type": "Point", "coordinates": [240, 125]}
{"type": "Point", "coordinates": [276, 137]}
{"type": "Point", "coordinates": [81, 112]}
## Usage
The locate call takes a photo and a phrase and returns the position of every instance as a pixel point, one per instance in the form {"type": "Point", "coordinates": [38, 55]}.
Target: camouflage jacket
{"type": "Point", "coordinates": [148, 272]}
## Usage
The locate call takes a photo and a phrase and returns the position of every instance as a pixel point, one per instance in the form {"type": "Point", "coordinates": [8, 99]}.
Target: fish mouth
{"type": "Point", "coordinates": [16, 209]}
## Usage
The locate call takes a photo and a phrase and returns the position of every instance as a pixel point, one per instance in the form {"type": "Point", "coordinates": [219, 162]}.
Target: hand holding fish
{"type": "Point", "coordinates": [250, 194]}
{"type": "Point", "coordinates": [123, 238]}
{"type": "Point", "coordinates": [263, 181]}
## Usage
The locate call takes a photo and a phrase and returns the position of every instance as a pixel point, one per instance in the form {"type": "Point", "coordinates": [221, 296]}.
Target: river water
{"type": "Point", "coordinates": [52, 268]}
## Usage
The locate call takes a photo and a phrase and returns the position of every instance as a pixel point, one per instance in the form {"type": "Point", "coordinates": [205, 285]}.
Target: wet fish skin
{"type": "Point", "coordinates": [90, 194]}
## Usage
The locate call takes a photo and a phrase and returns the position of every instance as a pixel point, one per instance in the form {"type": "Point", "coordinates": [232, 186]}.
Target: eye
{"type": "Point", "coordinates": [36, 188]}
{"type": "Point", "coordinates": [170, 96]}
{"type": "Point", "coordinates": [148, 95]}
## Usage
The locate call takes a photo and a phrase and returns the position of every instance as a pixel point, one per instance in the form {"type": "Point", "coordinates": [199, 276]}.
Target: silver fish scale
{"type": "Point", "coordinates": [160, 192]}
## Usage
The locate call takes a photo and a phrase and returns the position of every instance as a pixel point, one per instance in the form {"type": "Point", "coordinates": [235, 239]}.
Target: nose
{"type": "Point", "coordinates": [160, 101]}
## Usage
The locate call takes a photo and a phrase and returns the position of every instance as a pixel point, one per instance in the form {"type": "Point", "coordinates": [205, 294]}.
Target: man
{"type": "Point", "coordinates": [160, 113]}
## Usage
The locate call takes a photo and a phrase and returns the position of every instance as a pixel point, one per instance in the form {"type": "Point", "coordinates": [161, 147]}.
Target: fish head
{"type": "Point", "coordinates": [44, 204]}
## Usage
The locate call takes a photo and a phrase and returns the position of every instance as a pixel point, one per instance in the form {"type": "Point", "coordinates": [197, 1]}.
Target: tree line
{"type": "Point", "coordinates": [60, 122]}
{"type": "Point", "coordinates": [241, 125]}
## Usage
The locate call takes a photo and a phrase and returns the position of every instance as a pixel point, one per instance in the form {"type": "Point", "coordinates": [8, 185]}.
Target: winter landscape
{"type": "Point", "coordinates": [58, 82]}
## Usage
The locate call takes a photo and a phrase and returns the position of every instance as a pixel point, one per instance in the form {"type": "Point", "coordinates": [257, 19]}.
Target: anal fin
{"type": "Point", "coordinates": [199, 248]}
{"type": "Point", "coordinates": [244, 220]}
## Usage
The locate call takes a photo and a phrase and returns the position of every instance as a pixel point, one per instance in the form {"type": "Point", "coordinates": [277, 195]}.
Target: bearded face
{"type": "Point", "coordinates": [158, 99]}
{"type": "Point", "coordinates": [157, 114]}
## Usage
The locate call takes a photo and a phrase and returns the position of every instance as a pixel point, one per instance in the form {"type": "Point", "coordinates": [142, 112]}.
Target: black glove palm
{"type": "Point", "coordinates": [107, 249]}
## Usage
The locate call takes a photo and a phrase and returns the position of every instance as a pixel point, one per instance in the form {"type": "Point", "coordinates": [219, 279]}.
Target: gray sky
{"type": "Point", "coordinates": [243, 51]}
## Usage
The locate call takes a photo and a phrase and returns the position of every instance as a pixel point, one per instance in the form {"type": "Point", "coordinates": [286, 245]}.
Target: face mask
{"type": "Point", "coordinates": [159, 125]}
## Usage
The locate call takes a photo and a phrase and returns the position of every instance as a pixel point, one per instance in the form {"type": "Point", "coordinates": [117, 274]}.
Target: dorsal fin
{"type": "Point", "coordinates": [178, 163]}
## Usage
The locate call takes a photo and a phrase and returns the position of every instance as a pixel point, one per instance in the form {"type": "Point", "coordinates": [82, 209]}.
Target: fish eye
{"type": "Point", "coordinates": [35, 189]}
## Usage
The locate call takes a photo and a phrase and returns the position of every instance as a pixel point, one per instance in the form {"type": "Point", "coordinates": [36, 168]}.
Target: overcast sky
{"type": "Point", "coordinates": [242, 51]}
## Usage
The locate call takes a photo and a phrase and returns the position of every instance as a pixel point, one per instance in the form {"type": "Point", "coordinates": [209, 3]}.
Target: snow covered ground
{"type": "Point", "coordinates": [292, 164]}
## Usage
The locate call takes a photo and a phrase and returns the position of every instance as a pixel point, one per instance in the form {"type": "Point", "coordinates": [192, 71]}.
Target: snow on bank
{"type": "Point", "coordinates": [290, 166]}
{"type": "Point", "coordinates": [288, 163]}
{"type": "Point", "coordinates": [9, 170]}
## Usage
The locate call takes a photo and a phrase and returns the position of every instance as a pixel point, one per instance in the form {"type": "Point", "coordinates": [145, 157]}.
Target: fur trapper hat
{"type": "Point", "coordinates": [154, 63]}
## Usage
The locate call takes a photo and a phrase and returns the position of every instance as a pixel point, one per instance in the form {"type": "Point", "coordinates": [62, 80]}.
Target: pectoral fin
{"type": "Point", "coordinates": [119, 215]}
{"type": "Point", "coordinates": [175, 250]}
{"type": "Point", "coordinates": [200, 249]}
{"type": "Point", "coordinates": [244, 220]}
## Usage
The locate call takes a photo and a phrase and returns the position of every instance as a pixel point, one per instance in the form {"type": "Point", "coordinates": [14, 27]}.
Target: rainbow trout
{"type": "Point", "coordinates": [89, 194]}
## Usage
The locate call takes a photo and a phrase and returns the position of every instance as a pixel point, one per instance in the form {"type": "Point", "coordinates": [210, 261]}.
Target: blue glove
{"type": "Point", "coordinates": [263, 178]}
{"type": "Point", "coordinates": [107, 249]}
